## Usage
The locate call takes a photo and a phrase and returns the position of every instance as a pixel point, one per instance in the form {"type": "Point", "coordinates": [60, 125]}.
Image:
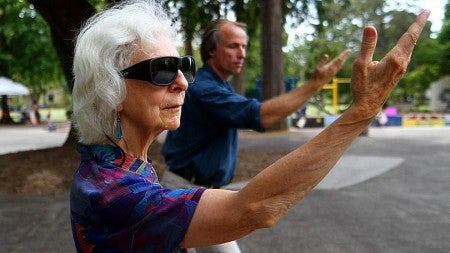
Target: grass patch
{"type": "Point", "coordinates": [56, 114]}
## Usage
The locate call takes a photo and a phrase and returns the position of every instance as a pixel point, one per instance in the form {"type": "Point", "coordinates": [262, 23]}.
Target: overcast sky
{"type": "Point", "coordinates": [437, 8]}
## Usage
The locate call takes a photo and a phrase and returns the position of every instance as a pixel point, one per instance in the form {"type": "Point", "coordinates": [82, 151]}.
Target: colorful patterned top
{"type": "Point", "coordinates": [118, 205]}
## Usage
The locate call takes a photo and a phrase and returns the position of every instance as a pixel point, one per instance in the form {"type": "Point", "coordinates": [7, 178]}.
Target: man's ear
{"type": "Point", "coordinates": [212, 54]}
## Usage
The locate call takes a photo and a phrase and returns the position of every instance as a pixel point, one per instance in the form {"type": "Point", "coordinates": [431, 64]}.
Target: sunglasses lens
{"type": "Point", "coordinates": [164, 70]}
{"type": "Point", "coordinates": [188, 68]}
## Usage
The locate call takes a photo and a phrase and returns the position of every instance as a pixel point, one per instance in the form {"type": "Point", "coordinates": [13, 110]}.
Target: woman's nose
{"type": "Point", "coordinates": [180, 83]}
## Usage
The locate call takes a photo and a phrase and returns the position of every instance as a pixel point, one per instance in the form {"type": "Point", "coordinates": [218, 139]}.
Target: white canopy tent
{"type": "Point", "coordinates": [11, 88]}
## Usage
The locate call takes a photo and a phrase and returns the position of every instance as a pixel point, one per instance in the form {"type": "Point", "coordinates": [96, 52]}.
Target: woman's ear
{"type": "Point", "coordinates": [119, 107]}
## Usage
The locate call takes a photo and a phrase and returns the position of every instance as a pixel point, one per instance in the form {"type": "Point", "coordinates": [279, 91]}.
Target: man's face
{"type": "Point", "coordinates": [228, 58]}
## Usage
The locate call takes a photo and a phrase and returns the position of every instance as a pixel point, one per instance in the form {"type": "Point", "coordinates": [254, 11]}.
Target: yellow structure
{"type": "Point", "coordinates": [334, 86]}
{"type": "Point", "coordinates": [423, 119]}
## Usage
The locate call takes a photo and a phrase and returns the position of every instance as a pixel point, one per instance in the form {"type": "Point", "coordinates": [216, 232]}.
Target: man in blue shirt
{"type": "Point", "coordinates": [204, 148]}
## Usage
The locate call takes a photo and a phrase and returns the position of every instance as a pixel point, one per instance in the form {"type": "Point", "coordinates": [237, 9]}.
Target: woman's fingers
{"type": "Point", "coordinates": [409, 39]}
{"type": "Point", "coordinates": [368, 45]}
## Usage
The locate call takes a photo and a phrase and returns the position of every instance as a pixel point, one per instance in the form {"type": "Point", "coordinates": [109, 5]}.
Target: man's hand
{"type": "Point", "coordinates": [372, 81]}
{"type": "Point", "coordinates": [325, 71]}
{"type": "Point", "coordinates": [280, 107]}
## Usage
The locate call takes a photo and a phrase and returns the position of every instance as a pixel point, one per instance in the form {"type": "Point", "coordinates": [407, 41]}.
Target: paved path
{"type": "Point", "coordinates": [402, 207]}
{"type": "Point", "coordinates": [27, 137]}
{"type": "Point", "coordinates": [389, 193]}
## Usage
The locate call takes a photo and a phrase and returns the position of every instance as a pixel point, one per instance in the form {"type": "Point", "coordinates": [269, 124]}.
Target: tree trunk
{"type": "Point", "coordinates": [65, 18]}
{"type": "Point", "coordinates": [188, 50]}
{"type": "Point", "coordinates": [238, 81]}
{"type": "Point", "coordinates": [271, 46]}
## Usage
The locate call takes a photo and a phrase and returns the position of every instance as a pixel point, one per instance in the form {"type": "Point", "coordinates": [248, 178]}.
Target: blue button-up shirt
{"type": "Point", "coordinates": [207, 139]}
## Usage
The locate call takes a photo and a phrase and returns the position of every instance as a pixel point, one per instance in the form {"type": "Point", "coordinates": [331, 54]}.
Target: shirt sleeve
{"type": "Point", "coordinates": [131, 214]}
{"type": "Point", "coordinates": [226, 107]}
{"type": "Point", "coordinates": [167, 222]}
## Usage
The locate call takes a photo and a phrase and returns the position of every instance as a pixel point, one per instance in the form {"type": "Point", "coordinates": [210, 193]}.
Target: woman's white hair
{"type": "Point", "coordinates": [104, 46]}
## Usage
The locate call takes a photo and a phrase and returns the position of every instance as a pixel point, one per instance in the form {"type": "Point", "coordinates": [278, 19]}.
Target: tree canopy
{"type": "Point", "coordinates": [26, 51]}
{"type": "Point", "coordinates": [36, 36]}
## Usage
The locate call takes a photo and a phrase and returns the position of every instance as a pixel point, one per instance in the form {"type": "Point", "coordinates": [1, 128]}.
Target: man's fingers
{"type": "Point", "coordinates": [342, 57]}
{"type": "Point", "coordinates": [368, 44]}
{"type": "Point", "coordinates": [323, 60]}
{"type": "Point", "coordinates": [345, 54]}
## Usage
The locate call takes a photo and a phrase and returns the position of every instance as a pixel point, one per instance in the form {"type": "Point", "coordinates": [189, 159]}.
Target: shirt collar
{"type": "Point", "coordinates": [113, 155]}
{"type": "Point", "coordinates": [211, 71]}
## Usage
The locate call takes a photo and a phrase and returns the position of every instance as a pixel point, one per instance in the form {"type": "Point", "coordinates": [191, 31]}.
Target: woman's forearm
{"type": "Point", "coordinates": [289, 179]}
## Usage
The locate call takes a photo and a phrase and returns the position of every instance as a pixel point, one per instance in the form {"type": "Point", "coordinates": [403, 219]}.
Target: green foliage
{"type": "Point", "coordinates": [444, 39]}
{"type": "Point", "coordinates": [99, 4]}
{"type": "Point", "coordinates": [338, 24]}
{"type": "Point", "coordinates": [26, 51]}
{"type": "Point", "coordinates": [333, 32]}
{"type": "Point", "coordinates": [254, 61]}
{"type": "Point", "coordinates": [430, 61]}
{"type": "Point", "coordinates": [423, 68]}
{"type": "Point", "coordinates": [27, 54]}
{"type": "Point", "coordinates": [444, 35]}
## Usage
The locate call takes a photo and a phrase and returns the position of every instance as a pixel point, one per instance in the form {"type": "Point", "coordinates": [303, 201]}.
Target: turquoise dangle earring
{"type": "Point", "coordinates": [119, 133]}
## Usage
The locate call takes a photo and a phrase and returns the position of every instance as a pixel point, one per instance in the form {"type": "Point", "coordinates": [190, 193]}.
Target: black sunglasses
{"type": "Point", "coordinates": [161, 71]}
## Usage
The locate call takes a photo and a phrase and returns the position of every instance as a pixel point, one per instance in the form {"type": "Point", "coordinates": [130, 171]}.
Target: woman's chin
{"type": "Point", "coordinates": [172, 125]}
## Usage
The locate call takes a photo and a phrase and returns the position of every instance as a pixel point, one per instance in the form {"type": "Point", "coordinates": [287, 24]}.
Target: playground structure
{"type": "Point", "coordinates": [300, 119]}
{"type": "Point", "coordinates": [408, 120]}
{"type": "Point", "coordinates": [334, 87]}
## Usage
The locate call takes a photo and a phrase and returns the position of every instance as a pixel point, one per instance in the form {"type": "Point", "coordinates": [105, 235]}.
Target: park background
{"type": "Point", "coordinates": [35, 51]}
{"type": "Point", "coordinates": [403, 209]}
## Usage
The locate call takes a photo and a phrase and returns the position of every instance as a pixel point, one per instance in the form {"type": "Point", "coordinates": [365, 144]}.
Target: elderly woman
{"type": "Point", "coordinates": [130, 84]}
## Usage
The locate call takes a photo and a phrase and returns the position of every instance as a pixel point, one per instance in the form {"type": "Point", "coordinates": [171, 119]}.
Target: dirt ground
{"type": "Point", "coordinates": [50, 171]}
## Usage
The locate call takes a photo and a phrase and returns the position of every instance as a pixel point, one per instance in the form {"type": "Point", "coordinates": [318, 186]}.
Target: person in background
{"type": "Point", "coordinates": [204, 149]}
{"type": "Point", "coordinates": [51, 126]}
{"type": "Point", "coordinates": [36, 117]}
{"type": "Point", "coordinates": [129, 86]}
{"type": "Point", "coordinates": [382, 117]}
